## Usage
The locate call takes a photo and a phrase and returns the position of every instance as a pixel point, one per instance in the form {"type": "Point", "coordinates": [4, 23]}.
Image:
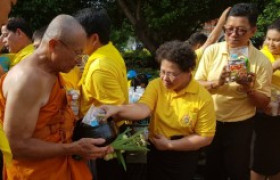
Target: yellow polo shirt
{"type": "Point", "coordinates": [231, 103]}
{"type": "Point", "coordinates": [26, 51]}
{"type": "Point", "coordinates": [104, 79]}
{"type": "Point", "coordinates": [272, 58]}
{"type": "Point", "coordinates": [199, 53]}
{"type": "Point", "coordinates": [190, 111]}
{"type": "Point", "coordinates": [72, 78]}
{"type": "Point", "coordinates": [5, 146]}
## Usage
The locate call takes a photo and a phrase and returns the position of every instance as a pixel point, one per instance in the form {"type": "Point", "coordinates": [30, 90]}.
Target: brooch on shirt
{"type": "Point", "coordinates": [186, 119]}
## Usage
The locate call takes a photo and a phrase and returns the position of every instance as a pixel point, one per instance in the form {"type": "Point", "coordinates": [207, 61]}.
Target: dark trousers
{"type": "Point", "coordinates": [109, 170]}
{"type": "Point", "coordinates": [266, 145]}
{"type": "Point", "coordinates": [229, 154]}
{"type": "Point", "coordinates": [112, 169]}
{"type": "Point", "coordinates": [171, 165]}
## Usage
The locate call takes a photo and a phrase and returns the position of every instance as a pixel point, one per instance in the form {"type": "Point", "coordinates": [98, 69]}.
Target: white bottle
{"type": "Point", "coordinates": [75, 101]}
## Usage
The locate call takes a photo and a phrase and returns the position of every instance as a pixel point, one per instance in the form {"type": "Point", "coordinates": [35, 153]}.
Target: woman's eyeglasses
{"type": "Point", "coordinates": [171, 76]}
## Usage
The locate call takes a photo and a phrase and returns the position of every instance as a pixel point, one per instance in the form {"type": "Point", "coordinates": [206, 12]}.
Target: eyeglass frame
{"type": "Point", "coordinates": [82, 56]}
{"type": "Point", "coordinates": [170, 75]}
{"type": "Point", "coordinates": [236, 30]}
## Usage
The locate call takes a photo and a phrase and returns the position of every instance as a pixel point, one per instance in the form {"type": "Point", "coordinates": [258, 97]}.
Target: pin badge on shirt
{"type": "Point", "coordinates": [186, 119]}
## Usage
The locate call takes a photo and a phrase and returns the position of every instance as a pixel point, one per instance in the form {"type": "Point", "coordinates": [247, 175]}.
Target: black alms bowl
{"type": "Point", "coordinates": [106, 130]}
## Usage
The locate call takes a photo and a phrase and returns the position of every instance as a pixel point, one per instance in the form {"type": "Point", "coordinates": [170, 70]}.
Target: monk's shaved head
{"type": "Point", "coordinates": [63, 43]}
{"type": "Point", "coordinates": [64, 27]}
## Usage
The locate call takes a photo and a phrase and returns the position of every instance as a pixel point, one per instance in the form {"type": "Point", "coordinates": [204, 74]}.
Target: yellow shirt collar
{"type": "Point", "coordinates": [192, 88]}
{"type": "Point", "coordinates": [225, 51]}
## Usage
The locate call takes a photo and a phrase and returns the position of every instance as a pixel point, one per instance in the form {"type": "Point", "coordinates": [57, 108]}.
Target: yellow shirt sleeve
{"type": "Point", "coordinates": [150, 96]}
{"type": "Point", "coordinates": [199, 53]}
{"type": "Point", "coordinates": [201, 72]}
{"type": "Point", "coordinates": [206, 124]}
{"type": "Point", "coordinates": [101, 88]}
{"type": "Point", "coordinates": [263, 82]}
{"type": "Point", "coordinates": [5, 147]}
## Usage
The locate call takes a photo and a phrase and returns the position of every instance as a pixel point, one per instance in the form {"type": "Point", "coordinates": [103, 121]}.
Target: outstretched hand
{"type": "Point", "coordinates": [111, 111]}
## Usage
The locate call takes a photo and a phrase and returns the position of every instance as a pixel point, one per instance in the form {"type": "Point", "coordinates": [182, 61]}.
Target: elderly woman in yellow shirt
{"type": "Point", "coordinates": [266, 154]}
{"type": "Point", "coordinates": [182, 114]}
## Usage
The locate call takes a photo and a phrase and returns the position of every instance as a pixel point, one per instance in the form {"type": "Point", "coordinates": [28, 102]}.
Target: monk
{"type": "Point", "coordinates": [34, 108]}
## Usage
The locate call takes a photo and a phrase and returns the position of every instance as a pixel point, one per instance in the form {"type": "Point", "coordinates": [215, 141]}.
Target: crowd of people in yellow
{"type": "Point", "coordinates": [194, 104]}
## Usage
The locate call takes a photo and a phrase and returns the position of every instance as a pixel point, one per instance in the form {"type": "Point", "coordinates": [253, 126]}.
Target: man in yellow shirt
{"type": "Point", "coordinates": [18, 39]}
{"type": "Point", "coordinates": [104, 78]}
{"type": "Point", "coordinates": [182, 114]}
{"type": "Point", "coordinates": [235, 102]}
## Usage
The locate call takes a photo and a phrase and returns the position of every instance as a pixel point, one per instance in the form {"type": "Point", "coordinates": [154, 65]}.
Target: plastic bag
{"type": "Point", "coordinates": [94, 116]}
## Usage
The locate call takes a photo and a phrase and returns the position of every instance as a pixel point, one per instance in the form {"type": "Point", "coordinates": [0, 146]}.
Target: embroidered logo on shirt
{"type": "Point", "coordinates": [186, 119]}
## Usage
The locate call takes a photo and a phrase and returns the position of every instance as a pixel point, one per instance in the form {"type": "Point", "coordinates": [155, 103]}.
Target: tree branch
{"type": "Point", "coordinates": [127, 12]}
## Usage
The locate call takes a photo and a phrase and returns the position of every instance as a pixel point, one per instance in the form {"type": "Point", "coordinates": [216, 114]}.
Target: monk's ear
{"type": "Point", "coordinates": [52, 44]}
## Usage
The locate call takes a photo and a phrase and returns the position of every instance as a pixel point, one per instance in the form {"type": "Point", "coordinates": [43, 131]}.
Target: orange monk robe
{"type": "Point", "coordinates": [55, 124]}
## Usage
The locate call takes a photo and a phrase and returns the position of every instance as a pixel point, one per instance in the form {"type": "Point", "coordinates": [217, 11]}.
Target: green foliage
{"type": "Point", "coordinates": [140, 58]}
{"type": "Point", "coordinates": [141, 61]}
{"type": "Point", "coordinates": [40, 12]}
{"type": "Point", "coordinates": [268, 15]}
{"type": "Point", "coordinates": [160, 20]}
{"type": "Point", "coordinates": [120, 35]}
{"type": "Point", "coordinates": [169, 19]}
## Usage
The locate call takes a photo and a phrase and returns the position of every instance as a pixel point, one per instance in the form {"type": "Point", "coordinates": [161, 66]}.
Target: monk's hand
{"type": "Point", "coordinates": [161, 142]}
{"type": "Point", "coordinates": [92, 148]}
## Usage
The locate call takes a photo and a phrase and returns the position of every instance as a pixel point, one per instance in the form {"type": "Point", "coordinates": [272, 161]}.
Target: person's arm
{"type": "Point", "coordinates": [215, 34]}
{"type": "Point", "coordinates": [106, 88]}
{"type": "Point", "coordinates": [211, 85]}
{"type": "Point", "coordinates": [259, 99]}
{"type": "Point", "coordinates": [23, 103]}
{"type": "Point", "coordinates": [188, 143]}
{"type": "Point", "coordinates": [136, 111]}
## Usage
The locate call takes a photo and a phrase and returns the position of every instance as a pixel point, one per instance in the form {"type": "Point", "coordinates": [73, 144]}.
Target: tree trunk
{"type": "Point", "coordinates": [140, 27]}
